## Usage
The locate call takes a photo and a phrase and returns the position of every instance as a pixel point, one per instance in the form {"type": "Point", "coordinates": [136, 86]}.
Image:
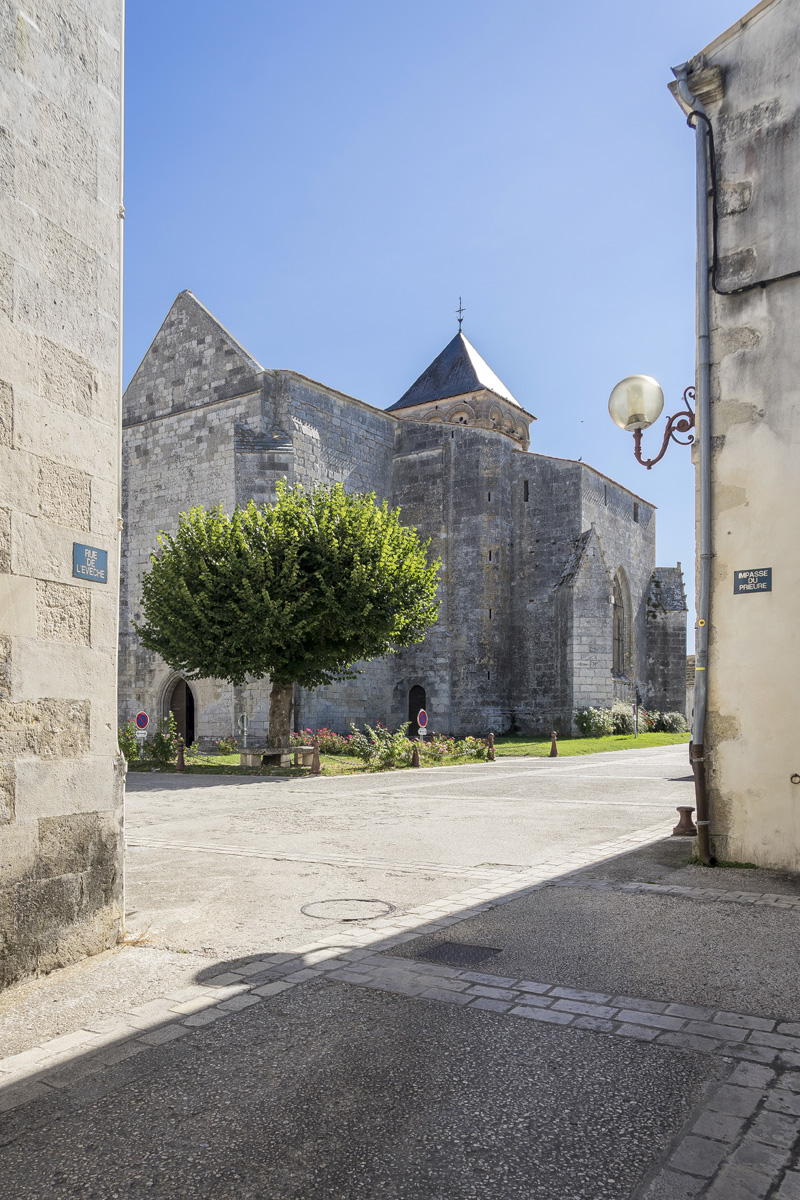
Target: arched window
{"type": "Point", "coordinates": [619, 630]}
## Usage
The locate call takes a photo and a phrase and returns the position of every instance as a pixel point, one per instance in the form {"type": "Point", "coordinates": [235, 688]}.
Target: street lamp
{"type": "Point", "coordinates": [637, 402]}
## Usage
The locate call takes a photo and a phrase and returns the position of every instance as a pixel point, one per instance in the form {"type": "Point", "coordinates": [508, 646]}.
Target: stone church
{"type": "Point", "coordinates": [550, 595]}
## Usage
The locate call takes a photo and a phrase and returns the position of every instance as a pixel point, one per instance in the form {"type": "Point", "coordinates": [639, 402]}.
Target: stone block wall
{"type": "Point", "coordinates": [61, 775]}
{"type": "Point", "coordinates": [665, 689]}
{"type": "Point", "coordinates": [192, 412]}
{"type": "Point", "coordinates": [453, 484]}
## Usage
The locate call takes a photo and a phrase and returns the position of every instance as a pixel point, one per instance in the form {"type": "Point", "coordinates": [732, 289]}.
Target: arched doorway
{"type": "Point", "coordinates": [181, 705]}
{"type": "Point", "coordinates": [416, 701]}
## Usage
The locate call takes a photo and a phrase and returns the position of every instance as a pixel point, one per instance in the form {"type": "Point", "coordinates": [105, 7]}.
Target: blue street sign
{"type": "Point", "coordinates": [757, 579]}
{"type": "Point", "coordinates": [89, 563]}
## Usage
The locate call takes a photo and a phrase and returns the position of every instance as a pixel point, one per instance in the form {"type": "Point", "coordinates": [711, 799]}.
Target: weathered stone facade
{"type": "Point", "coordinates": [531, 546]}
{"type": "Point", "coordinates": [61, 774]}
{"type": "Point", "coordinates": [748, 81]}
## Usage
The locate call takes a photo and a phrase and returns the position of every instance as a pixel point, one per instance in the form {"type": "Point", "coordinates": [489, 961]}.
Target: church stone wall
{"type": "Point", "coordinates": [529, 545]}
{"type": "Point", "coordinates": [665, 688]}
{"type": "Point", "coordinates": [61, 775]}
{"type": "Point", "coordinates": [625, 525]}
{"type": "Point", "coordinates": [453, 484]}
{"type": "Point", "coordinates": [184, 420]}
{"type": "Point", "coordinates": [336, 439]}
{"type": "Point", "coordinates": [546, 529]}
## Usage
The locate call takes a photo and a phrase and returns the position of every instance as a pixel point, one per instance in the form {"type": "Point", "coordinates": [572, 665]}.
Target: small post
{"type": "Point", "coordinates": [490, 752]}
{"type": "Point", "coordinates": [415, 755]}
{"type": "Point", "coordinates": [316, 769]}
{"type": "Point", "coordinates": [180, 762]}
{"type": "Point", "coordinates": [685, 826]}
{"type": "Point", "coordinates": [554, 744]}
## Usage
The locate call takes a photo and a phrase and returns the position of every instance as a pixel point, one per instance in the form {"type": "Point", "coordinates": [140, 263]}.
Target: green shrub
{"type": "Point", "coordinates": [671, 722]}
{"type": "Point", "coordinates": [594, 722]}
{"type": "Point", "coordinates": [390, 749]}
{"type": "Point", "coordinates": [622, 717]}
{"type": "Point", "coordinates": [128, 742]}
{"type": "Point", "coordinates": [648, 721]}
{"type": "Point", "coordinates": [165, 740]}
{"type": "Point", "coordinates": [471, 747]}
{"type": "Point", "coordinates": [379, 747]}
{"type": "Point", "coordinates": [227, 745]}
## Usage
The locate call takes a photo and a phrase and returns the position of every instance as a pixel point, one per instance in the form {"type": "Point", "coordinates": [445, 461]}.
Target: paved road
{"type": "Point", "coordinates": [224, 867]}
{"type": "Point", "coordinates": [630, 1033]}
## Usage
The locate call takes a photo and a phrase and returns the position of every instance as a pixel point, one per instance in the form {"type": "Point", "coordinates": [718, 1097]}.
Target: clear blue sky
{"type": "Point", "coordinates": [328, 176]}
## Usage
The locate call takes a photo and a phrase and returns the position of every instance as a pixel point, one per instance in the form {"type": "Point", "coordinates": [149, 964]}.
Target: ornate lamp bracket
{"type": "Point", "coordinates": [681, 422]}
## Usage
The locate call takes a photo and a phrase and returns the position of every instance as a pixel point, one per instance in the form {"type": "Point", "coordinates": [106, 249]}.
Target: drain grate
{"type": "Point", "coordinates": [458, 954]}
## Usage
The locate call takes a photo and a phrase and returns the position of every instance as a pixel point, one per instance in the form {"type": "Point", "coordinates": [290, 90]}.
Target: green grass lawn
{"type": "Point", "coordinates": [228, 764]}
{"type": "Point", "coordinates": [540, 747]}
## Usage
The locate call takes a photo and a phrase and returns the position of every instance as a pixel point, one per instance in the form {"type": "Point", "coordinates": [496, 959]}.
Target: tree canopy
{"type": "Point", "coordinates": [299, 590]}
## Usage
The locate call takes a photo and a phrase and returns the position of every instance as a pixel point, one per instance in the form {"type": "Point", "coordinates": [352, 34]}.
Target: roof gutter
{"type": "Point", "coordinates": [698, 120]}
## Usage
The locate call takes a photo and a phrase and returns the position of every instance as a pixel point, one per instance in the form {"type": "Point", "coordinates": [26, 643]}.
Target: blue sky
{"type": "Point", "coordinates": [329, 176]}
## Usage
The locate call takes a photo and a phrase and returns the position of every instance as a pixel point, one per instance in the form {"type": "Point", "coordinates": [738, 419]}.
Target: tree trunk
{"type": "Point", "coordinates": [280, 714]}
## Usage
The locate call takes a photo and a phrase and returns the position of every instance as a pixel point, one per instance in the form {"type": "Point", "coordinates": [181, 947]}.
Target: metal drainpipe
{"type": "Point", "coordinates": [691, 105]}
{"type": "Point", "coordinates": [121, 221]}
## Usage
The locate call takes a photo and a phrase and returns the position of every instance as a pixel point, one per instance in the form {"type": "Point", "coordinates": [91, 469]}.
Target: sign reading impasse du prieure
{"type": "Point", "coordinates": [88, 562]}
{"type": "Point", "coordinates": [758, 579]}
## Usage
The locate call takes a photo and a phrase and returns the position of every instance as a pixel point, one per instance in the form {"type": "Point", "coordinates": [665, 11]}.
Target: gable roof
{"type": "Point", "coordinates": [457, 370]}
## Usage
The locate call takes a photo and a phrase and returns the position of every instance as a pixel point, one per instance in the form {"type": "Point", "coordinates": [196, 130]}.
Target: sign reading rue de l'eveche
{"type": "Point", "coordinates": [758, 579]}
{"type": "Point", "coordinates": [88, 562]}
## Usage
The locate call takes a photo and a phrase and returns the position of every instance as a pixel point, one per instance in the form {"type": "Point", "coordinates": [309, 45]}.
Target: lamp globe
{"type": "Point", "coordinates": [636, 402]}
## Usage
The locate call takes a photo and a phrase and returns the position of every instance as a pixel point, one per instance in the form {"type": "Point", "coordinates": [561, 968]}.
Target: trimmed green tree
{"type": "Point", "coordinates": [300, 590]}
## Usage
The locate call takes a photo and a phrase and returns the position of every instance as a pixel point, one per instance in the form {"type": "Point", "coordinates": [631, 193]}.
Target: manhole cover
{"type": "Point", "coordinates": [458, 954]}
{"type": "Point", "coordinates": [348, 910]}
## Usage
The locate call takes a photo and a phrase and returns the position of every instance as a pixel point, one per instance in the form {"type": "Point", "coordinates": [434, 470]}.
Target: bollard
{"type": "Point", "coordinates": [180, 762]}
{"type": "Point", "coordinates": [685, 826]}
{"type": "Point", "coordinates": [490, 751]}
{"type": "Point", "coordinates": [316, 769]}
{"type": "Point", "coordinates": [415, 755]}
{"type": "Point", "coordinates": [554, 745]}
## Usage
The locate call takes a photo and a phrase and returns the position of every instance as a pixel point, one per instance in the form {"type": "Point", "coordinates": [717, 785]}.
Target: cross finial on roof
{"type": "Point", "coordinates": [460, 310]}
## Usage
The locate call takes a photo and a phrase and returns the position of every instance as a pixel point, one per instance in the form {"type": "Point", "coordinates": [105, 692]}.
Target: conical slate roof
{"type": "Point", "coordinates": [457, 370]}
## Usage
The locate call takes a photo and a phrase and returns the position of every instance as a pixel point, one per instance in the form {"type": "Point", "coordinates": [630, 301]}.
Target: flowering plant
{"type": "Point", "coordinates": [329, 742]}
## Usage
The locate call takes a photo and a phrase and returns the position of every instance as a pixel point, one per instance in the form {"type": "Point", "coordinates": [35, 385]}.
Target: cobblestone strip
{"type": "Point", "coordinates": [743, 1145]}
{"type": "Point", "coordinates": [382, 864]}
{"type": "Point", "coordinates": [765, 899]}
{"type": "Point", "coordinates": [766, 1041]}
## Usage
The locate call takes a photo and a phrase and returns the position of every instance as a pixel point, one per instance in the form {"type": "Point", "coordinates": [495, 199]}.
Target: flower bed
{"type": "Point", "coordinates": [379, 747]}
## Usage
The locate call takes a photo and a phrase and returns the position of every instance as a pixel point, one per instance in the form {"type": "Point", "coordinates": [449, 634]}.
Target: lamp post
{"type": "Point", "coordinates": [637, 402]}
